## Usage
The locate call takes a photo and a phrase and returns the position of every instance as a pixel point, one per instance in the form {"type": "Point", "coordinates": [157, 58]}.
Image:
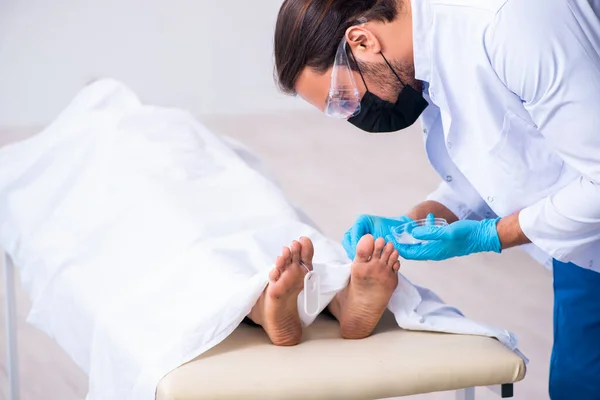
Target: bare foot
{"type": "Point", "coordinates": [373, 279]}
{"type": "Point", "coordinates": [277, 309]}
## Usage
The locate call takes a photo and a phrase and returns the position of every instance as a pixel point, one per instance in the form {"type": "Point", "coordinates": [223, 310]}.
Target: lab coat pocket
{"type": "Point", "coordinates": [523, 159]}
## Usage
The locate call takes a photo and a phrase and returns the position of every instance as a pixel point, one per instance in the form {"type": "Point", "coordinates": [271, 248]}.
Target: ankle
{"type": "Point", "coordinates": [335, 307]}
{"type": "Point", "coordinates": [257, 313]}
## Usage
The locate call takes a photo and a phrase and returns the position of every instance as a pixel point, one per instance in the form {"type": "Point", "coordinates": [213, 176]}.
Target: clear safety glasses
{"type": "Point", "coordinates": [343, 100]}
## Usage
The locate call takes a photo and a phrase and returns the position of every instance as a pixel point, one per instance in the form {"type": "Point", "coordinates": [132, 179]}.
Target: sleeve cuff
{"type": "Point", "coordinates": [534, 222]}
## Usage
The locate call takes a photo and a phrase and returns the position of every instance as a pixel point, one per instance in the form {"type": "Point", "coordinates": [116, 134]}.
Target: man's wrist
{"type": "Point", "coordinates": [510, 232]}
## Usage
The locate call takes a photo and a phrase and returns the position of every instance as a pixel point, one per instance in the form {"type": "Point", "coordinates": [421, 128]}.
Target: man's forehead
{"type": "Point", "coordinates": [313, 87]}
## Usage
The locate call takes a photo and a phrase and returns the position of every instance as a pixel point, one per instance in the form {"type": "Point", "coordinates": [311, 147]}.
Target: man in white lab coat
{"type": "Point", "coordinates": [508, 92]}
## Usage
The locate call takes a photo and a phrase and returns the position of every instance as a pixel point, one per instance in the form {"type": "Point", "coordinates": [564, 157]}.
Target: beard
{"type": "Point", "coordinates": [381, 77]}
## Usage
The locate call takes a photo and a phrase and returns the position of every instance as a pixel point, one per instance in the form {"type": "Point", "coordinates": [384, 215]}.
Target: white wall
{"type": "Point", "coordinates": [207, 56]}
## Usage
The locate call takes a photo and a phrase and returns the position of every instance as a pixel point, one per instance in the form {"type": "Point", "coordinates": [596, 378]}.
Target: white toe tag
{"type": "Point", "coordinates": [312, 293]}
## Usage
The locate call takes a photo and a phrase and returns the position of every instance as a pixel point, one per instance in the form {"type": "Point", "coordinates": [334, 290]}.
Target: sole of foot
{"type": "Point", "coordinates": [277, 309]}
{"type": "Point", "coordinates": [373, 280]}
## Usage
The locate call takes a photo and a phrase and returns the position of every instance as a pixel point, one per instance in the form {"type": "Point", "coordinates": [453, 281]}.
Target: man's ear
{"type": "Point", "coordinates": [362, 41]}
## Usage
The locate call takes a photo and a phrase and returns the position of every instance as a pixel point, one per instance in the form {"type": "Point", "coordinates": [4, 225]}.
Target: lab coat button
{"type": "Point", "coordinates": [425, 131]}
{"type": "Point", "coordinates": [490, 199]}
{"type": "Point", "coordinates": [449, 145]}
{"type": "Point", "coordinates": [449, 178]}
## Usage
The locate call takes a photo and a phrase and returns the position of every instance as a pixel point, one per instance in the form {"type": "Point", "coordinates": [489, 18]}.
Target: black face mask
{"type": "Point", "coordinates": [380, 116]}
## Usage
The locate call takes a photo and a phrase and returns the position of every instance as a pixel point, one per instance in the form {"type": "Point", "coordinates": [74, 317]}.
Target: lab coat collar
{"type": "Point", "coordinates": [422, 26]}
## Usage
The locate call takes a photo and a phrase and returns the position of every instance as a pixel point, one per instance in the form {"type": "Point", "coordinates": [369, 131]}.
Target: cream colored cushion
{"type": "Point", "coordinates": [391, 363]}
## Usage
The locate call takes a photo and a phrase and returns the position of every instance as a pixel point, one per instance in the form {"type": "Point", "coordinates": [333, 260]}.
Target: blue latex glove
{"type": "Point", "coordinates": [459, 239]}
{"type": "Point", "coordinates": [370, 224]}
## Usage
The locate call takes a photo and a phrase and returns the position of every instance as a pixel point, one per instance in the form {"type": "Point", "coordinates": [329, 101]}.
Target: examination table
{"type": "Point", "coordinates": [390, 363]}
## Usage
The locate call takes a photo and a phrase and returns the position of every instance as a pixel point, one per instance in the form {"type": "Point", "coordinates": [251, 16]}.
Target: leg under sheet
{"type": "Point", "coordinates": [144, 240]}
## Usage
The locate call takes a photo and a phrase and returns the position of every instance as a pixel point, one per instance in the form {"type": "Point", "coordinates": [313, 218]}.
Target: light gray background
{"type": "Point", "coordinates": [204, 55]}
{"type": "Point", "coordinates": [215, 59]}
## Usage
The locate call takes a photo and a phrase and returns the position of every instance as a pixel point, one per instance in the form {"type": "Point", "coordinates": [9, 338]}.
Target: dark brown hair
{"type": "Point", "coordinates": [308, 32]}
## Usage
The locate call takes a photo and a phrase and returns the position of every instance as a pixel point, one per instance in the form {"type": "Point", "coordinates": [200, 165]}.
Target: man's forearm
{"type": "Point", "coordinates": [509, 229]}
{"type": "Point", "coordinates": [510, 232]}
{"type": "Point", "coordinates": [432, 207]}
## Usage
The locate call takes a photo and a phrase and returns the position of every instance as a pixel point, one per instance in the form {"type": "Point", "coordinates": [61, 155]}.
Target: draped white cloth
{"type": "Point", "coordinates": [144, 240]}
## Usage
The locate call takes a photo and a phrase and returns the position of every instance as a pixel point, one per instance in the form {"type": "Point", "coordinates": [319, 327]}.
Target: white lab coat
{"type": "Point", "coordinates": [514, 116]}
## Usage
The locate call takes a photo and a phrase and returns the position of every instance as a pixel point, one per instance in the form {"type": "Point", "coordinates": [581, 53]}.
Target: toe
{"type": "Point", "coordinates": [379, 245]}
{"type": "Point", "coordinates": [364, 249]}
{"type": "Point", "coordinates": [280, 263]}
{"type": "Point", "coordinates": [275, 274]}
{"type": "Point", "coordinates": [393, 258]}
{"type": "Point", "coordinates": [387, 252]}
{"type": "Point", "coordinates": [307, 252]}
{"type": "Point", "coordinates": [286, 255]}
{"type": "Point", "coordinates": [296, 248]}
{"type": "Point", "coordinates": [396, 266]}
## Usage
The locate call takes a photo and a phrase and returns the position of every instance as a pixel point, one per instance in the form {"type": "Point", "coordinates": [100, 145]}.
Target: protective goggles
{"type": "Point", "coordinates": [343, 100]}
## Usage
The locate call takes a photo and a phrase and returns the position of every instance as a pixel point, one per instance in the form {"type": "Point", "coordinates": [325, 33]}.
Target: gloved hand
{"type": "Point", "coordinates": [369, 224]}
{"type": "Point", "coordinates": [459, 239]}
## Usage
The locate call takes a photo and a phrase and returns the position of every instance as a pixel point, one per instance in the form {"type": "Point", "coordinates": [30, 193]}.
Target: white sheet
{"type": "Point", "coordinates": [143, 240]}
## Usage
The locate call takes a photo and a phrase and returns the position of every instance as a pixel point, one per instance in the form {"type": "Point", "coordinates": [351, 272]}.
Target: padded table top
{"type": "Point", "coordinates": [390, 363]}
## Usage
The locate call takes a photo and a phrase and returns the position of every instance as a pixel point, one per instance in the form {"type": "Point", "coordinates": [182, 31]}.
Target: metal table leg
{"type": "Point", "coordinates": [11, 330]}
{"type": "Point", "coordinates": [465, 394]}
